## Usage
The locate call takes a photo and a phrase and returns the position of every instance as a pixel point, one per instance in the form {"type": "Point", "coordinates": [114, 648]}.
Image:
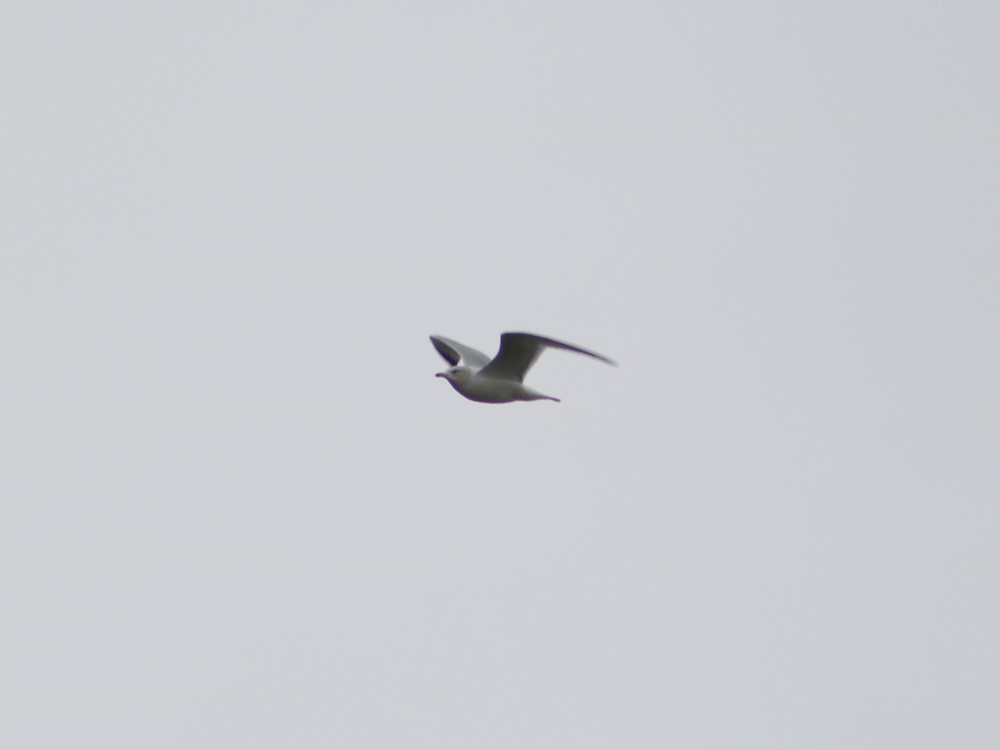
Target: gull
{"type": "Point", "coordinates": [499, 380]}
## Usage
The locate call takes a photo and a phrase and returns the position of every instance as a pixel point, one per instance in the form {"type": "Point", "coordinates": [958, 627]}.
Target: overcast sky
{"type": "Point", "coordinates": [238, 511]}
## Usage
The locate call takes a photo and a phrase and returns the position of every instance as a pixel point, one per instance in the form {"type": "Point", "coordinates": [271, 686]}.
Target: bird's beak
{"type": "Point", "coordinates": [439, 375]}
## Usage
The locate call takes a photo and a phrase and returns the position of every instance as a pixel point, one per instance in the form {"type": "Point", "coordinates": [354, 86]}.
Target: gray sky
{"type": "Point", "coordinates": [238, 511]}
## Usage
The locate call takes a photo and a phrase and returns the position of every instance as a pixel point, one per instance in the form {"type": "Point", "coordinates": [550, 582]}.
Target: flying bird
{"type": "Point", "coordinates": [501, 379]}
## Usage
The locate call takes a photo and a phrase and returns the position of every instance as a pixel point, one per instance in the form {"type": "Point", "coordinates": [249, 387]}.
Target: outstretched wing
{"type": "Point", "coordinates": [456, 353]}
{"type": "Point", "coordinates": [519, 351]}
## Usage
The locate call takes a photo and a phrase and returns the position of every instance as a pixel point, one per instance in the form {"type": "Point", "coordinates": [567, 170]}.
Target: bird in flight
{"type": "Point", "coordinates": [501, 379]}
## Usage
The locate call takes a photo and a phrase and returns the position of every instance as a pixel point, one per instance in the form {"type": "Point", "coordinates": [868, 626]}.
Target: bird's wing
{"type": "Point", "coordinates": [456, 353]}
{"type": "Point", "coordinates": [518, 352]}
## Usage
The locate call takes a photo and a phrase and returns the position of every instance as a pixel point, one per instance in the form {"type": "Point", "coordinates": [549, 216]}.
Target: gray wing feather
{"type": "Point", "coordinates": [519, 351]}
{"type": "Point", "coordinates": [455, 353]}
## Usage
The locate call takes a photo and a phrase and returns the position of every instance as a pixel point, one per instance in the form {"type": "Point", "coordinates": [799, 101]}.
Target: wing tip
{"type": "Point", "coordinates": [450, 356]}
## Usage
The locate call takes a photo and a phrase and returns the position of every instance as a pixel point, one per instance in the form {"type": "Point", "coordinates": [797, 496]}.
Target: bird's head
{"type": "Point", "coordinates": [455, 375]}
